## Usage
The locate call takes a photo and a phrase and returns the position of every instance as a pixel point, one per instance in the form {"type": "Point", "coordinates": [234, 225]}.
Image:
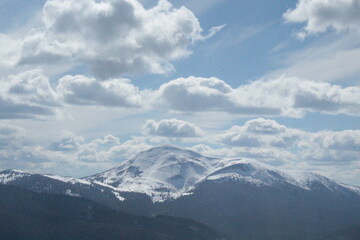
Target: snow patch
{"type": "Point", "coordinates": [118, 196]}
{"type": "Point", "coordinates": [70, 193]}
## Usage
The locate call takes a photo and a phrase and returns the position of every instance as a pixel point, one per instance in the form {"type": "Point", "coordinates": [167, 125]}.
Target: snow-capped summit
{"type": "Point", "coordinates": [161, 172]}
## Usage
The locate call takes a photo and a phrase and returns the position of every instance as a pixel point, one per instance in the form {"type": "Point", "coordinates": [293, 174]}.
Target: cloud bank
{"type": "Point", "coordinates": [284, 96]}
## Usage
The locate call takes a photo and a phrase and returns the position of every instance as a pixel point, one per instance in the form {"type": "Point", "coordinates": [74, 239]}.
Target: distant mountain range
{"type": "Point", "coordinates": [241, 198]}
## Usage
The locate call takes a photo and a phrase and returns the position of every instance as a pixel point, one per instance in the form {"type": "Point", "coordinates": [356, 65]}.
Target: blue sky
{"type": "Point", "coordinates": [88, 84]}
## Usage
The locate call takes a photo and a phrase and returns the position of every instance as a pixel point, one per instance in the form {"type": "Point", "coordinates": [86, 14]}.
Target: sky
{"type": "Point", "coordinates": [87, 84]}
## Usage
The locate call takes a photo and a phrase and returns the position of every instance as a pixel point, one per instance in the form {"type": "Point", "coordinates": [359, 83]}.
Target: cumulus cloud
{"type": "Point", "coordinates": [262, 139]}
{"type": "Point", "coordinates": [206, 94]}
{"type": "Point", "coordinates": [17, 150]}
{"type": "Point", "coordinates": [108, 139]}
{"type": "Point", "coordinates": [128, 149]}
{"type": "Point", "coordinates": [173, 128]}
{"type": "Point", "coordinates": [283, 96]}
{"type": "Point", "coordinates": [332, 147]}
{"type": "Point", "coordinates": [69, 154]}
{"type": "Point", "coordinates": [260, 133]}
{"type": "Point", "coordinates": [27, 95]}
{"type": "Point", "coordinates": [259, 137]}
{"type": "Point", "coordinates": [97, 150]}
{"type": "Point", "coordinates": [67, 142]}
{"type": "Point", "coordinates": [295, 96]}
{"type": "Point", "coordinates": [82, 90]}
{"type": "Point", "coordinates": [112, 37]}
{"type": "Point", "coordinates": [32, 86]}
{"type": "Point", "coordinates": [320, 15]}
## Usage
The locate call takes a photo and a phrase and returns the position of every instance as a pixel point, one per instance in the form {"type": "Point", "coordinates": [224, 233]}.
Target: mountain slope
{"type": "Point", "coordinates": [62, 185]}
{"type": "Point", "coordinates": [29, 215]}
{"type": "Point", "coordinates": [248, 210]}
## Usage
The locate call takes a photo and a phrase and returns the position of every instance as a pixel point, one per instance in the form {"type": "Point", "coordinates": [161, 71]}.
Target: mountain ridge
{"type": "Point", "coordinates": [169, 172]}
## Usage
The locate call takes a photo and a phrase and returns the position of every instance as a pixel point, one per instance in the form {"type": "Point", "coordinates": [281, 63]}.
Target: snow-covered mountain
{"type": "Point", "coordinates": [169, 172]}
{"type": "Point", "coordinates": [243, 198]}
{"type": "Point", "coordinates": [162, 173]}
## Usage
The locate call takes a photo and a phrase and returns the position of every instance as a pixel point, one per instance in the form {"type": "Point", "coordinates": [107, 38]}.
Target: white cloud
{"type": "Point", "coordinates": [32, 86]}
{"type": "Point", "coordinates": [320, 15]}
{"type": "Point", "coordinates": [284, 96]}
{"type": "Point", "coordinates": [331, 57]}
{"type": "Point", "coordinates": [67, 142]}
{"type": "Point", "coordinates": [258, 133]}
{"type": "Point", "coordinates": [128, 149]}
{"type": "Point", "coordinates": [81, 90]}
{"type": "Point", "coordinates": [113, 37]}
{"type": "Point", "coordinates": [194, 94]}
{"type": "Point", "coordinates": [172, 128]}
{"type": "Point", "coordinates": [108, 139]}
{"type": "Point", "coordinates": [317, 148]}
{"type": "Point", "coordinates": [330, 147]}
{"type": "Point", "coordinates": [276, 144]}
{"type": "Point", "coordinates": [27, 95]}
{"type": "Point", "coordinates": [295, 96]}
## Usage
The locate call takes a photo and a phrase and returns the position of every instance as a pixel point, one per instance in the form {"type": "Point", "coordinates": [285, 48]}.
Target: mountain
{"type": "Point", "coordinates": [29, 215]}
{"type": "Point", "coordinates": [242, 198]}
{"type": "Point", "coordinates": [162, 173]}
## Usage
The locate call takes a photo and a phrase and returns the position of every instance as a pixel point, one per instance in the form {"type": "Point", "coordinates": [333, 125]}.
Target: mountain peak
{"type": "Point", "coordinates": [161, 172]}
{"type": "Point", "coordinates": [166, 149]}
